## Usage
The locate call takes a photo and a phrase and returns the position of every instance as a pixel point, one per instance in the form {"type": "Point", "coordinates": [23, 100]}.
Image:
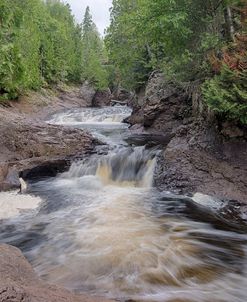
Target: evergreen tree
{"type": "Point", "coordinates": [93, 53]}
{"type": "Point", "coordinates": [187, 40]}
{"type": "Point", "coordinates": [40, 43]}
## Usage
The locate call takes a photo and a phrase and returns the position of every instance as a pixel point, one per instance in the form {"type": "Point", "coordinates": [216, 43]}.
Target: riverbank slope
{"type": "Point", "coordinates": [29, 143]}
{"type": "Point", "coordinates": [204, 154]}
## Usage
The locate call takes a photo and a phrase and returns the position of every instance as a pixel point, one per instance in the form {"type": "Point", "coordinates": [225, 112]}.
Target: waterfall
{"type": "Point", "coordinates": [132, 167]}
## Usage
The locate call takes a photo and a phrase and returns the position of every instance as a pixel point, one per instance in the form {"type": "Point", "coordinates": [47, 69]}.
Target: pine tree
{"type": "Point", "coordinates": [40, 43]}
{"type": "Point", "coordinates": [94, 57]}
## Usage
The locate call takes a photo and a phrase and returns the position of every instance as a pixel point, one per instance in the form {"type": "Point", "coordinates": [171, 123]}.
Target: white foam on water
{"type": "Point", "coordinates": [94, 116]}
{"type": "Point", "coordinates": [207, 200]}
{"type": "Point", "coordinates": [105, 231]}
{"type": "Point", "coordinates": [12, 204]}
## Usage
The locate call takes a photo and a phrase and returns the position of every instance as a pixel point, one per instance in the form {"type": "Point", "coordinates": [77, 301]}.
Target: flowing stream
{"type": "Point", "coordinates": [102, 228]}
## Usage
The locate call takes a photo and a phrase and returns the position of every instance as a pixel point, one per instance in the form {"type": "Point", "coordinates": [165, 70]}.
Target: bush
{"type": "Point", "coordinates": [226, 94]}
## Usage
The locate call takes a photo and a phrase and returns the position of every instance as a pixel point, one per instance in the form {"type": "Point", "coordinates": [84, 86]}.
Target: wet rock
{"type": "Point", "coordinates": [203, 156]}
{"type": "Point", "coordinates": [27, 144]}
{"type": "Point", "coordinates": [228, 215]}
{"type": "Point", "coordinates": [19, 283]}
{"type": "Point", "coordinates": [148, 139]}
{"type": "Point", "coordinates": [46, 168]}
{"type": "Point", "coordinates": [202, 161]}
{"type": "Point", "coordinates": [102, 98]}
{"type": "Point", "coordinates": [12, 180]}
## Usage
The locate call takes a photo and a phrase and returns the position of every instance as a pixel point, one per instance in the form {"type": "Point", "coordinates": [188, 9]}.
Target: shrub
{"type": "Point", "coordinates": [226, 94]}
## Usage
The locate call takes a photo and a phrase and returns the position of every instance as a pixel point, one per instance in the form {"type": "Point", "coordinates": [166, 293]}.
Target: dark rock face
{"type": "Point", "coordinates": [123, 95]}
{"type": "Point", "coordinates": [27, 144]}
{"type": "Point", "coordinates": [201, 161]}
{"type": "Point", "coordinates": [164, 106]}
{"type": "Point", "coordinates": [201, 156]}
{"type": "Point", "coordinates": [102, 98]}
{"type": "Point", "coordinates": [19, 283]}
{"type": "Point", "coordinates": [95, 98]}
{"type": "Point", "coordinates": [148, 139]}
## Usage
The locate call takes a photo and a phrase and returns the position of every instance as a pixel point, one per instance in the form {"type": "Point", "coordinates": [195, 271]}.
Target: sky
{"type": "Point", "coordinates": [99, 10]}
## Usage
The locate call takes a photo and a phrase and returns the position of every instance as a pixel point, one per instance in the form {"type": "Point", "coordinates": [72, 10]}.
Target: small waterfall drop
{"type": "Point", "coordinates": [128, 167]}
{"type": "Point", "coordinates": [102, 116]}
{"type": "Point", "coordinates": [102, 228]}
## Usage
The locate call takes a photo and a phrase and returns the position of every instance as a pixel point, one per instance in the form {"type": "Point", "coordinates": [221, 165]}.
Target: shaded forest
{"type": "Point", "coordinates": [194, 43]}
{"type": "Point", "coordinates": [41, 44]}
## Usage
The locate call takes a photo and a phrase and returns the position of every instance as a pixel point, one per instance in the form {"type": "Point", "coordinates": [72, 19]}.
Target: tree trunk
{"type": "Point", "coordinates": [229, 23]}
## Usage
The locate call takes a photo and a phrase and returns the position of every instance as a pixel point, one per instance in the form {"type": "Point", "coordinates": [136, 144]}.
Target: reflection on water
{"type": "Point", "coordinates": [103, 229]}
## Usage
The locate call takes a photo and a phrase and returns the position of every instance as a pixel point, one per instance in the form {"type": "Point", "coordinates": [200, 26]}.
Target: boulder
{"type": "Point", "coordinates": [19, 282]}
{"type": "Point", "coordinates": [87, 93]}
{"type": "Point", "coordinates": [102, 98]}
{"type": "Point", "coordinates": [11, 180]}
{"type": "Point", "coordinates": [163, 107]}
{"type": "Point", "coordinates": [148, 139]}
{"type": "Point", "coordinates": [123, 95]}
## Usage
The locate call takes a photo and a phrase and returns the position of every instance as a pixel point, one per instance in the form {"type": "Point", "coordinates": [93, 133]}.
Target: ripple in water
{"type": "Point", "coordinates": [103, 229]}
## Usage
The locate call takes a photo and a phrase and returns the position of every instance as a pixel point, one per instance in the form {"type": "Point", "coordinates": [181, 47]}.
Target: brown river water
{"type": "Point", "coordinates": [102, 228]}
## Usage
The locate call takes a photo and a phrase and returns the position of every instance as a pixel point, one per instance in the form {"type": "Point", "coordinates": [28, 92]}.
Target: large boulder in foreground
{"type": "Point", "coordinates": [27, 144]}
{"type": "Point", "coordinates": [19, 283]}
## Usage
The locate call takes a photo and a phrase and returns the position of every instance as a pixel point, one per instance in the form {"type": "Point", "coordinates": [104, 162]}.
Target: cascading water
{"type": "Point", "coordinates": [102, 228]}
{"type": "Point", "coordinates": [104, 123]}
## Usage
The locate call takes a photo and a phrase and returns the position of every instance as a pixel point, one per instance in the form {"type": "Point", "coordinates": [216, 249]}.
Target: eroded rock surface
{"type": "Point", "coordinates": [28, 143]}
{"type": "Point", "coordinates": [198, 159]}
{"type": "Point", "coordinates": [163, 107]}
{"type": "Point", "coordinates": [19, 283]}
{"type": "Point", "coordinates": [202, 155]}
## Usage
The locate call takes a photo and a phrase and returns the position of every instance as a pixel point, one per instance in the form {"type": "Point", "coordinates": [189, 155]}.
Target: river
{"type": "Point", "coordinates": [102, 228]}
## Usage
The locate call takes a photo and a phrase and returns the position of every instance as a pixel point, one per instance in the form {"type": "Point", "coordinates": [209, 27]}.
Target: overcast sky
{"type": "Point", "coordinates": [99, 10]}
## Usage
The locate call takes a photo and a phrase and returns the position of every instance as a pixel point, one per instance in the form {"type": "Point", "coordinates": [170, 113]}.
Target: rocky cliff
{"type": "Point", "coordinates": [203, 155]}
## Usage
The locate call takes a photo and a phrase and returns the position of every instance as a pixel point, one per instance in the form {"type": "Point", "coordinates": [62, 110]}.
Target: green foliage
{"type": "Point", "coordinates": [227, 94]}
{"type": "Point", "coordinates": [41, 43]}
{"type": "Point", "coordinates": [126, 45]}
{"type": "Point", "coordinates": [183, 38]}
{"type": "Point", "coordinates": [93, 55]}
{"type": "Point", "coordinates": [170, 35]}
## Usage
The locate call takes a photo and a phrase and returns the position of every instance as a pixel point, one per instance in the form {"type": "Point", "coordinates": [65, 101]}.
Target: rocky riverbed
{"type": "Point", "coordinates": [197, 155]}
{"type": "Point", "coordinates": [30, 147]}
